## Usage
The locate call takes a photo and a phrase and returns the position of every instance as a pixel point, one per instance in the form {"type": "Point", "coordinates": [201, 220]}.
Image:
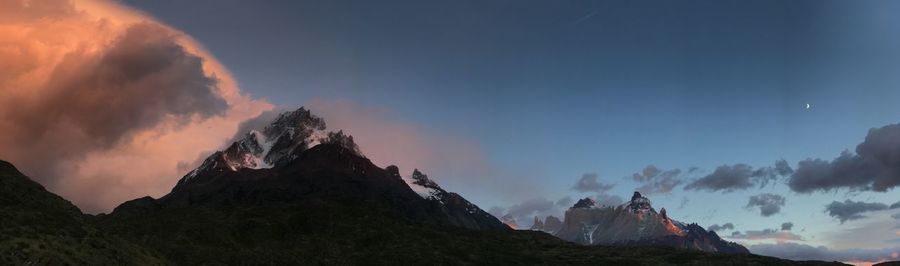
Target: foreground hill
{"type": "Point", "coordinates": [40, 228]}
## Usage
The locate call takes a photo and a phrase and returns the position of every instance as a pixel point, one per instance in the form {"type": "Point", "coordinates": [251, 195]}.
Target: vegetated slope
{"type": "Point", "coordinates": [40, 228]}
{"type": "Point", "coordinates": [254, 217]}
{"type": "Point", "coordinates": [349, 230]}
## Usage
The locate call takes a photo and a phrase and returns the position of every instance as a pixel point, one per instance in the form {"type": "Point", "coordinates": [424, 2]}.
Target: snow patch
{"type": "Point", "coordinates": [424, 192]}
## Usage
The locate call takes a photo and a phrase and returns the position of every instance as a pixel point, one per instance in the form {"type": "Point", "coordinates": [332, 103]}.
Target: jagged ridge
{"type": "Point", "coordinates": [295, 159]}
{"type": "Point", "coordinates": [635, 223]}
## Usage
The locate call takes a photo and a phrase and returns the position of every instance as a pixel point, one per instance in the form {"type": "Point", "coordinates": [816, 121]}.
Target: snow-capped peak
{"type": "Point", "coordinates": [587, 203]}
{"type": "Point", "coordinates": [422, 185]}
{"type": "Point", "coordinates": [639, 203]}
{"type": "Point", "coordinates": [278, 143]}
{"type": "Point", "coordinates": [274, 145]}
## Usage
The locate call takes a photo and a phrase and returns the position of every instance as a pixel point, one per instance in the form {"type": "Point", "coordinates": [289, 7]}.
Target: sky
{"type": "Point", "coordinates": [522, 107]}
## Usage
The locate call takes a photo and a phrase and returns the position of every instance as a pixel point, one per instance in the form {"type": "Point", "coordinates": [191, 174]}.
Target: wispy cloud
{"type": "Point", "coordinates": [766, 234]}
{"type": "Point", "coordinates": [738, 177]}
{"type": "Point", "coordinates": [768, 203]}
{"type": "Point", "coordinates": [797, 251]}
{"type": "Point", "coordinates": [656, 181]}
{"type": "Point", "coordinates": [589, 183]}
{"type": "Point", "coordinates": [852, 210]}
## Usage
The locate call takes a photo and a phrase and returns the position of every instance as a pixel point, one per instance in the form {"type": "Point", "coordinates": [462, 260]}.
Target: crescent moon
{"type": "Point", "coordinates": [807, 106]}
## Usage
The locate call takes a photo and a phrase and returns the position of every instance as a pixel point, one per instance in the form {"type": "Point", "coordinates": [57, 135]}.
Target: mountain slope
{"type": "Point", "coordinates": [347, 231]}
{"type": "Point", "coordinates": [294, 158]}
{"type": "Point", "coordinates": [40, 228]}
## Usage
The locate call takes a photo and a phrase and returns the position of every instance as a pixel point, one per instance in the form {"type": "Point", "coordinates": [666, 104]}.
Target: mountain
{"type": "Point", "coordinates": [280, 176]}
{"type": "Point", "coordinates": [294, 194]}
{"type": "Point", "coordinates": [550, 224]}
{"type": "Point", "coordinates": [294, 159]}
{"type": "Point", "coordinates": [636, 223]}
{"type": "Point", "coordinates": [40, 228]}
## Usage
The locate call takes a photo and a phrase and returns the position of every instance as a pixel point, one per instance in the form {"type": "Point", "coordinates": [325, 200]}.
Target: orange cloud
{"type": "Point", "coordinates": [101, 103]}
{"type": "Point", "coordinates": [456, 162]}
{"type": "Point", "coordinates": [864, 263]}
{"type": "Point", "coordinates": [389, 141]}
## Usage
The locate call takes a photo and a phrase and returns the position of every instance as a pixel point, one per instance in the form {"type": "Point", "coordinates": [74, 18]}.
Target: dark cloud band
{"type": "Point", "coordinates": [875, 166]}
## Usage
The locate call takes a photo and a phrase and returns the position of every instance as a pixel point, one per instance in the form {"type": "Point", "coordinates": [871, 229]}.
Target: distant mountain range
{"type": "Point", "coordinates": [293, 193]}
{"type": "Point", "coordinates": [634, 223]}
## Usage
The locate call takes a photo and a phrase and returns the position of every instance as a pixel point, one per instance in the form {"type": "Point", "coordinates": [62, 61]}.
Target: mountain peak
{"type": "Point", "coordinates": [294, 159]}
{"type": "Point", "coordinates": [585, 203]}
{"type": "Point", "coordinates": [291, 132]}
{"type": "Point", "coordinates": [422, 180]}
{"type": "Point", "coordinates": [538, 224]}
{"type": "Point", "coordinates": [636, 195]}
{"type": "Point", "coordinates": [639, 203]}
{"type": "Point", "coordinates": [634, 223]}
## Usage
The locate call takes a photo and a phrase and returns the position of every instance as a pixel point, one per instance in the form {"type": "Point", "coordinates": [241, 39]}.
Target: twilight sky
{"type": "Point", "coordinates": [521, 105]}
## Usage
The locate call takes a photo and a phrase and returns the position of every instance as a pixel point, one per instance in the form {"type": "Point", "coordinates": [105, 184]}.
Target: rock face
{"type": "Point", "coordinates": [635, 223]}
{"type": "Point", "coordinates": [551, 224]}
{"type": "Point", "coordinates": [585, 203]}
{"type": "Point", "coordinates": [538, 224]}
{"type": "Point", "coordinates": [295, 159]}
{"type": "Point", "coordinates": [695, 238]}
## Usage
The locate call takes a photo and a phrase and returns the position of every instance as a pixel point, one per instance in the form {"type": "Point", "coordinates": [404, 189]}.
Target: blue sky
{"type": "Point", "coordinates": [558, 89]}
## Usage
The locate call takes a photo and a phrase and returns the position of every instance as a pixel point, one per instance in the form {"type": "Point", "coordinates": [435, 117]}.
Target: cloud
{"type": "Point", "coordinates": [852, 210]}
{"type": "Point", "coordinates": [684, 202]}
{"type": "Point", "coordinates": [451, 159]}
{"type": "Point", "coordinates": [647, 174]}
{"type": "Point", "coordinates": [531, 206]}
{"type": "Point", "coordinates": [782, 168]}
{"type": "Point", "coordinates": [716, 227]}
{"type": "Point", "coordinates": [528, 209]}
{"type": "Point", "coordinates": [768, 203]}
{"type": "Point", "coordinates": [872, 232]}
{"type": "Point", "coordinates": [787, 226]}
{"type": "Point", "coordinates": [875, 166]}
{"type": "Point", "coordinates": [729, 178]}
{"type": "Point", "coordinates": [497, 211]}
{"type": "Point", "coordinates": [796, 251]}
{"type": "Point", "coordinates": [387, 140]}
{"type": "Point", "coordinates": [608, 200]}
{"type": "Point", "coordinates": [766, 234]}
{"type": "Point", "coordinates": [91, 88]}
{"type": "Point", "coordinates": [539, 206]}
{"type": "Point", "coordinates": [657, 181]}
{"type": "Point", "coordinates": [564, 201]}
{"type": "Point", "coordinates": [589, 183]}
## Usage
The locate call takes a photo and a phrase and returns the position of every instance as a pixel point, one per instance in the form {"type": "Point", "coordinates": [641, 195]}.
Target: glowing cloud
{"type": "Point", "coordinates": [101, 103]}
